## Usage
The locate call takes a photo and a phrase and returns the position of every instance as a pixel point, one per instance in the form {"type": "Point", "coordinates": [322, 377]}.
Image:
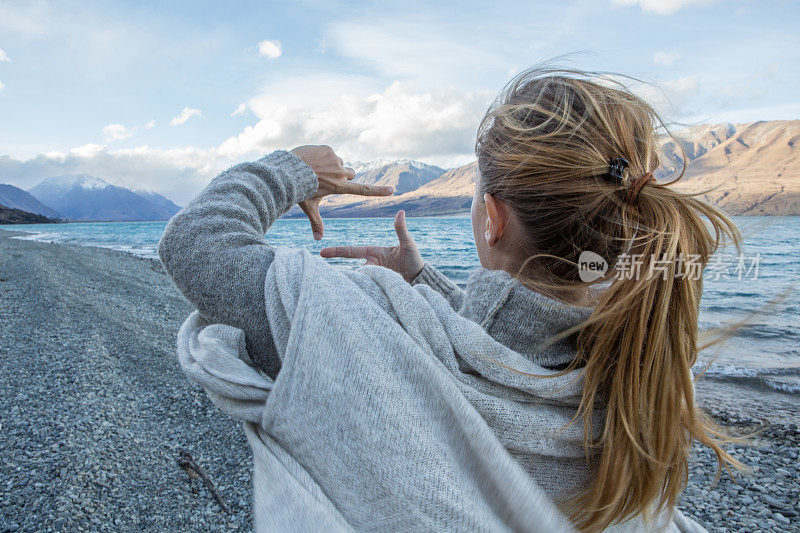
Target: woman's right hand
{"type": "Point", "coordinates": [332, 178]}
{"type": "Point", "coordinates": [403, 258]}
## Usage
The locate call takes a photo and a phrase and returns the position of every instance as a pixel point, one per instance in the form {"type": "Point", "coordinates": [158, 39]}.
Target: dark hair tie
{"type": "Point", "coordinates": [616, 167]}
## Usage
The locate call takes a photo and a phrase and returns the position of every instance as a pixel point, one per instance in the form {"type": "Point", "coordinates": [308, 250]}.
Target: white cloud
{"type": "Point", "coordinates": [665, 58]}
{"type": "Point", "coordinates": [663, 7]}
{"type": "Point", "coordinates": [771, 71]}
{"type": "Point", "coordinates": [2, 86]}
{"type": "Point", "coordinates": [322, 45]}
{"type": "Point", "coordinates": [185, 115]}
{"type": "Point", "coordinates": [270, 49]}
{"type": "Point", "coordinates": [435, 126]}
{"type": "Point", "coordinates": [740, 92]}
{"type": "Point", "coordinates": [682, 88]}
{"type": "Point", "coordinates": [116, 132]}
{"type": "Point", "coordinates": [751, 114]}
{"type": "Point", "coordinates": [4, 56]}
{"type": "Point", "coordinates": [437, 54]}
{"type": "Point", "coordinates": [177, 173]}
{"type": "Point", "coordinates": [87, 151]}
{"type": "Point", "coordinates": [673, 98]}
{"type": "Point", "coordinates": [396, 122]}
{"type": "Point", "coordinates": [240, 109]}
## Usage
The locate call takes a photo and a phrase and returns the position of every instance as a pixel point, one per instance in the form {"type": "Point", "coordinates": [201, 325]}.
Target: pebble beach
{"type": "Point", "coordinates": [95, 413]}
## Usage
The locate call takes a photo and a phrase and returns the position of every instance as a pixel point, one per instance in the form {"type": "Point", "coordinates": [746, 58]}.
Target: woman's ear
{"type": "Point", "coordinates": [497, 214]}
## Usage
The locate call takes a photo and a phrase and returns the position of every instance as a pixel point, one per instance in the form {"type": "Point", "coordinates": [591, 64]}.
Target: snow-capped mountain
{"type": "Point", "coordinates": [448, 194]}
{"type": "Point", "coordinates": [85, 197]}
{"type": "Point", "coordinates": [159, 201]}
{"type": "Point", "coordinates": [403, 174]}
{"type": "Point", "coordinates": [750, 169]}
{"type": "Point", "coordinates": [696, 141]}
{"type": "Point", "coordinates": [16, 198]}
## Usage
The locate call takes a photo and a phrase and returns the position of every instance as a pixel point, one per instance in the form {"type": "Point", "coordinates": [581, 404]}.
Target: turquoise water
{"type": "Point", "coordinates": [767, 347]}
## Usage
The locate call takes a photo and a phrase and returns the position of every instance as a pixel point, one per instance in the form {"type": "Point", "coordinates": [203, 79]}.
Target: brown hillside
{"type": "Point", "coordinates": [751, 169]}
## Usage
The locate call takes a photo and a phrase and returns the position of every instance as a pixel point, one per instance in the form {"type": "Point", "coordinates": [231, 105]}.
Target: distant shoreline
{"type": "Point", "coordinates": [302, 217]}
{"type": "Point", "coordinates": [13, 216]}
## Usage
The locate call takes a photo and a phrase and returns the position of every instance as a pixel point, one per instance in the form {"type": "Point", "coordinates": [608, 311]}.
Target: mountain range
{"type": "Point", "coordinates": [15, 198]}
{"type": "Point", "coordinates": [404, 175]}
{"type": "Point", "coordinates": [84, 197]}
{"type": "Point", "coordinates": [449, 193]}
{"type": "Point", "coordinates": [161, 202]}
{"type": "Point", "coordinates": [753, 169]}
{"type": "Point", "coordinates": [750, 169]}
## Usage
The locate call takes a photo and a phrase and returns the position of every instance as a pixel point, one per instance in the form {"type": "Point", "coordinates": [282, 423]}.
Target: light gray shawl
{"type": "Point", "coordinates": [376, 427]}
{"type": "Point", "coordinates": [371, 403]}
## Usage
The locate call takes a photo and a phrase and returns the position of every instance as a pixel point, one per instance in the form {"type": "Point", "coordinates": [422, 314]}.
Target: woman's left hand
{"type": "Point", "coordinates": [333, 178]}
{"type": "Point", "coordinates": [404, 258]}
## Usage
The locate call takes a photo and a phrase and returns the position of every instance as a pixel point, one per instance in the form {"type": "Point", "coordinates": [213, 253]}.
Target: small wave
{"type": "Point", "coordinates": [715, 369]}
{"type": "Point", "coordinates": [148, 252]}
{"type": "Point", "coordinates": [782, 386]}
{"type": "Point", "coordinates": [765, 331]}
{"type": "Point", "coordinates": [141, 251]}
{"type": "Point", "coordinates": [752, 331]}
{"type": "Point", "coordinates": [39, 237]}
{"type": "Point", "coordinates": [786, 379]}
{"type": "Point", "coordinates": [740, 294]}
{"type": "Point", "coordinates": [717, 308]}
{"type": "Point", "coordinates": [725, 370]}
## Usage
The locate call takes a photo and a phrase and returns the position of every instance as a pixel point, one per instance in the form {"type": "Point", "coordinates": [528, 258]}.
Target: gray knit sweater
{"type": "Point", "coordinates": [396, 403]}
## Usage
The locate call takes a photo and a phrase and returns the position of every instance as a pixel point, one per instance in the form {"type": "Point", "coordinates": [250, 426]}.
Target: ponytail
{"type": "Point", "coordinates": [545, 148]}
{"type": "Point", "coordinates": [638, 349]}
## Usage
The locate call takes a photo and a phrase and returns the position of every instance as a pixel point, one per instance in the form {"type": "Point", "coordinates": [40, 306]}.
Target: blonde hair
{"type": "Point", "coordinates": [544, 148]}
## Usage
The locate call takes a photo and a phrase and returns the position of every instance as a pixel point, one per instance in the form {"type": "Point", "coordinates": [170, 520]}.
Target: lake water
{"type": "Point", "coordinates": [765, 351]}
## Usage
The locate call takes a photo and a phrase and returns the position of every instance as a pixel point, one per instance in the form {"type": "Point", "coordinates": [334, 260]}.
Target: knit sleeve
{"type": "Point", "coordinates": [215, 251]}
{"type": "Point", "coordinates": [438, 281]}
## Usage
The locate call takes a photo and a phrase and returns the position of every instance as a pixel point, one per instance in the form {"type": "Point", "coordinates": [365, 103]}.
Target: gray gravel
{"type": "Point", "coordinates": [93, 406]}
{"type": "Point", "coordinates": [765, 499]}
{"type": "Point", "coordinates": [94, 412]}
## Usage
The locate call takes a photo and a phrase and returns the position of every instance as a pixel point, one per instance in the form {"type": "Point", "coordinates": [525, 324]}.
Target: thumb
{"type": "Point", "coordinates": [311, 209]}
{"type": "Point", "coordinates": [403, 235]}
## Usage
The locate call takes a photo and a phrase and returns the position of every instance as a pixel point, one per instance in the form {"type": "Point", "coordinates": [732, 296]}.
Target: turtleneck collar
{"type": "Point", "coordinates": [520, 318]}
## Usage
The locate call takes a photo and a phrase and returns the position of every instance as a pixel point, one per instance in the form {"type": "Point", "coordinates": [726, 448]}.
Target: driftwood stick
{"type": "Point", "coordinates": [187, 463]}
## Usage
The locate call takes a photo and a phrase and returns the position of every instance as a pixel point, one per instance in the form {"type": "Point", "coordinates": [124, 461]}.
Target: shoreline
{"type": "Point", "coordinates": [95, 410]}
{"type": "Point", "coordinates": [759, 378]}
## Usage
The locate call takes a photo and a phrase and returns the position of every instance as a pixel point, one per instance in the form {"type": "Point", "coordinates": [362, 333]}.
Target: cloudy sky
{"type": "Point", "coordinates": [164, 95]}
